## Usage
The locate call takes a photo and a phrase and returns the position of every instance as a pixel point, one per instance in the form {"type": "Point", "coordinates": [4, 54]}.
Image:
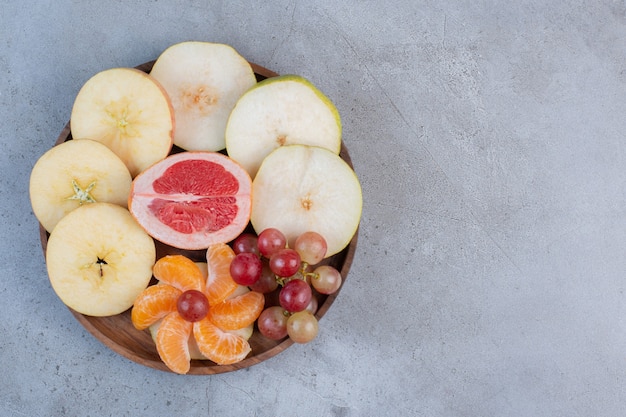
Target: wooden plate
{"type": "Point", "coordinates": [118, 333]}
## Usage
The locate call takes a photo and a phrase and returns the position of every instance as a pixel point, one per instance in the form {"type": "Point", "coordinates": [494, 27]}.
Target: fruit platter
{"type": "Point", "coordinates": [199, 213]}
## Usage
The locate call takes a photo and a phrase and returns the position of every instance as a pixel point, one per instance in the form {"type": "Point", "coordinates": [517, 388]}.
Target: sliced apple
{"type": "Point", "coordinates": [284, 110]}
{"type": "Point", "coordinates": [129, 112]}
{"type": "Point", "coordinates": [301, 188]}
{"type": "Point", "coordinates": [204, 81]}
{"type": "Point", "coordinates": [74, 173]}
{"type": "Point", "coordinates": [99, 259]}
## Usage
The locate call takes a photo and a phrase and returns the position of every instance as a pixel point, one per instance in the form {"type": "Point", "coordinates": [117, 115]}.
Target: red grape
{"type": "Point", "coordinates": [246, 242]}
{"type": "Point", "coordinates": [295, 295]}
{"type": "Point", "coordinates": [311, 246]}
{"type": "Point", "coordinates": [272, 323]}
{"type": "Point", "coordinates": [245, 268]}
{"type": "Point", "coordinates": [192, 305]}
{"type": "Point", "coordinates": [285, 262]}
{"type": "Point", "coordinates": [267, 281]}
{"type": "Point", "coordinates": [270, 240]}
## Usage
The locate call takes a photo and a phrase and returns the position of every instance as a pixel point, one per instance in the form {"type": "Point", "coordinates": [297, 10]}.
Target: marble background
{"type": "Point", "coordinates": [490, 141]}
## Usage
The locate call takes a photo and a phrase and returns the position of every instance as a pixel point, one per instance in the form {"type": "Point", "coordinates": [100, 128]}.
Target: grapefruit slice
{"type": "Point", "coordinates": [192, 200]}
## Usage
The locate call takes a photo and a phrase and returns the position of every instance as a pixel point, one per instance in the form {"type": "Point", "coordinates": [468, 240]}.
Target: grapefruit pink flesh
{"type": "Point", "coordinates": [192, 200]}
{"type": "Point", "coordinates": [213, 206]}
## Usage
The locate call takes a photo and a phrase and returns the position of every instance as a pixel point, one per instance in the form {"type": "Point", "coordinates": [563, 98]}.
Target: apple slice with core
{"type": "Point", "coordinates": [129, 112]}
{"type": "Point", "coordinates": [204, 80]}
{"type": "Point", "coordinates": [301, 188]}
{"type": "Point", "coordinates": [99, 259]}
{"type": "Point", "coordinates": [74, 173]}
{"type": "Point", "coordinates": [279, 111]}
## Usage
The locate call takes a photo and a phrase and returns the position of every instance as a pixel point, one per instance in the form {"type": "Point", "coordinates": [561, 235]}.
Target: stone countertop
{"type": "Point", "coordinates": [489, 138]}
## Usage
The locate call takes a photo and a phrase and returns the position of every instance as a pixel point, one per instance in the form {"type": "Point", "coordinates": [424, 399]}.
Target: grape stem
{"type": "Point", "coordinates": [301, 274]}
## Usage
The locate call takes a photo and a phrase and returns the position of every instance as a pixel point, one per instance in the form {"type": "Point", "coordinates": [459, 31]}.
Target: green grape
{"type": "Point", "coordinates": [326, 279]}
{"type": "Point", "coordinates": [302, 327]}
{"type": "Point", "coordinates": [311, 246]}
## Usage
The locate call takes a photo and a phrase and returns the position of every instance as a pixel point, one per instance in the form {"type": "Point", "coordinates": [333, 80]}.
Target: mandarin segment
{"type": "Point", "coordinates": [154, 303]}
{"type": "Point", "coordinates": [238, 312]}
{"type": "Point", "coordinates": [172, 342]}
{"type": "Point", "coordinates": [179, 272]}
{"type": "Point", "coordinates": [220, 285]}
{"type": "Point", "coordinates": [221, 347]}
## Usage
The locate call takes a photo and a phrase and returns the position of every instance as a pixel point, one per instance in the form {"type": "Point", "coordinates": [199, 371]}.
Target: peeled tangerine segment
{"type": "Point", "coordinates": [172, 342]}
{"type": "Point", "coordinates": [99, 260]}
{"type": "Point", "coordinates": [192, 200]}
{"type": "Point", "coordinates": [194, 351]}
{"type": "Point", "coordinates": [204, 81]}
{"type": "Point", "coordinates": [284, 110]}
{"type": "Point", "coordinates": [220, 346]}
{"type": "Point", "coordinates": [74, 173]}
{"type": "Point", "coordinates": [154, 303]}
{"type": "Point", "coordinates": [129, 112]}
{"type": "Point", "coordinates": [303, 188]}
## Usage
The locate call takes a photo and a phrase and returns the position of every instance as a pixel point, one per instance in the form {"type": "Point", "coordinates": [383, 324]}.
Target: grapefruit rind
{"type": "Point", "coordinates": [143, 196]}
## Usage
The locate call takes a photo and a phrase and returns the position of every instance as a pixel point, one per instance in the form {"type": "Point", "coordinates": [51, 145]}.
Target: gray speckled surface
{"type": "Point", "coordinates": [489, 138]}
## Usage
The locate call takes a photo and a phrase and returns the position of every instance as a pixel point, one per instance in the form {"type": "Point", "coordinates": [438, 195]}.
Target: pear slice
{"type": "Point", "coordinates": [204, 81]}
{"type": "Point", "coordinates": [284, 110]}
{"type": "Point", "coordinates": [129, 112]}
{"type": "Point", "coordinates": [99, 259]}
{"type": "Point", "coordinates": [74, 173]}
{"type": "Point", "coordinates": [301, 188]}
